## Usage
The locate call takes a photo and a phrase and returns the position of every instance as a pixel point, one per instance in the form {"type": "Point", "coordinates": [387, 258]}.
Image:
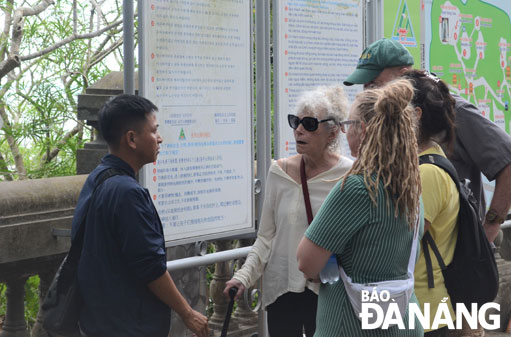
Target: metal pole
{"type": "Point", "coordinates": [128, 46]}
{"type": "Point", "coordinates": [263, 86]}
{"type": "Point", "coordinates": [141, 48]}
{"type": "Point", "coordinates": [198, 261]}
{"type": "Point", "coordinates": [267, 97]}
{"type": "Point", "coordinates": [263, 108]}
{"type": "Point", "coordinates": [374, 21]}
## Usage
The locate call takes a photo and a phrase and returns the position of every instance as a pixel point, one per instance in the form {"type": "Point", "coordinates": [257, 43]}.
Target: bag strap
{"type": "Point", "coordinates": [427, 239]}
{"type": "Point", "coordinates": [76, 244]}
{"type": "Point", "coordinates": [305, 190]}
{"type": "Point", "coordinates": [443, 163]}
{"type": "Point", "coordinates": [413, 252]}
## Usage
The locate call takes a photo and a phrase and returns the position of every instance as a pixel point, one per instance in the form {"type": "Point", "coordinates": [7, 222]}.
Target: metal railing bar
{"type": "Point", "coordinates": [198, 261]}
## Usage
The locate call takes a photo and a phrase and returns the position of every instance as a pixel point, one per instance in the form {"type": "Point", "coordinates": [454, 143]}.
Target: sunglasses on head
{"type": "Point", "coordinates": [309, 123]}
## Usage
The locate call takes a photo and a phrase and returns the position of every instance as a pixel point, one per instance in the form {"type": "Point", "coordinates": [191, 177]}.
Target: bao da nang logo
{"type": "Point", "coordinates": [378, 311]}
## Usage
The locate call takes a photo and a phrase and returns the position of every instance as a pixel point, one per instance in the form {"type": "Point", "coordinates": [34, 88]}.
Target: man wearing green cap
{"type": "Point", "coordinates": [380, 63]}
{"type": "Point", "coordinates": [480, 147]}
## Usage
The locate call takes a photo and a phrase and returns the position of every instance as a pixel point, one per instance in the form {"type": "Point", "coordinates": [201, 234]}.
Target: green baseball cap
{"type": "Point", "coordinates": [384, 53]}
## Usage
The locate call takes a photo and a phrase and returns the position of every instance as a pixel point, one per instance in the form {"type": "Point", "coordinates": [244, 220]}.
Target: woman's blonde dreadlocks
{"type": "Point", "coordinates": [388, 151]}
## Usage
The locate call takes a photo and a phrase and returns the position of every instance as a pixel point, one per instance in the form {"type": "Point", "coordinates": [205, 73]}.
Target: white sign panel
{"type": "Point", "coordinates": [318, 43]}
{"type": "Point", "coordinates": [197, 70]}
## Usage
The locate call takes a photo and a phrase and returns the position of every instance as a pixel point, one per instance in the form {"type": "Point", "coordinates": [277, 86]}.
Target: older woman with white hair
{"type": "Point", "coordinates": [288, 297]}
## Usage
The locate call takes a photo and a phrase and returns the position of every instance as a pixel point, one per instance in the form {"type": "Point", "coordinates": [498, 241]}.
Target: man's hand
{"type": "Point", "coordinates": [165, 289]}
{"type": "Point", "coordinates": [197, 322]}
{"type": "Point", "coordinates": [500, 202]}
{"type": "Point", "coordinates": [491, 230]}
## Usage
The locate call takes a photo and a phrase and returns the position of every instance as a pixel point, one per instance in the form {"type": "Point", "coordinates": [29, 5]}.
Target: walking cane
{"type": "Point", "coordinates": [232, 292]}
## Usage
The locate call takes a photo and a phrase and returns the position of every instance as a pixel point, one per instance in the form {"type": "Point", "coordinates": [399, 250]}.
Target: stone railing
{"type": "Point", "coordinates": [33, 216]}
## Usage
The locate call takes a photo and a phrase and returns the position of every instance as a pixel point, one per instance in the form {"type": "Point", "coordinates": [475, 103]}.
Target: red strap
{"type": "Point", "coordinates": [305, 190]}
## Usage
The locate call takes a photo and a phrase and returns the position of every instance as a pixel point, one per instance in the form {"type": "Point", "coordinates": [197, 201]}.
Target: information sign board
{"type": "Point", "coordinates": [315, 43]}
{"type": "Point", "coordinates": [197, 66]}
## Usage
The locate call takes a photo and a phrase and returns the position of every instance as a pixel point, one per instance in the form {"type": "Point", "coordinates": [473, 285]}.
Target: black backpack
{"type": "Point", "coordinates": [472, 276]}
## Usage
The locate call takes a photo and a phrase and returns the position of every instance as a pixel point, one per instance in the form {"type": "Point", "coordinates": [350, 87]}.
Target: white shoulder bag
{"type": "Point", "coordinates": [400, 291]}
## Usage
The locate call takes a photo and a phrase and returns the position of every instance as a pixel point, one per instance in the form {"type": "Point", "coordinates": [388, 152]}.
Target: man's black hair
{"type": "Point", "coordinates": [123, 113]}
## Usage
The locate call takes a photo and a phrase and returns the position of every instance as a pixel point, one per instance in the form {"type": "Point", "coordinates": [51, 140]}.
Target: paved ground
{"type": "Point", "coordinates": [497, 334]}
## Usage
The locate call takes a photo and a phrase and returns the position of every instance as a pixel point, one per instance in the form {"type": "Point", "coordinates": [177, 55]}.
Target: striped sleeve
{"type": "Point", "coordinates": [342, 214]}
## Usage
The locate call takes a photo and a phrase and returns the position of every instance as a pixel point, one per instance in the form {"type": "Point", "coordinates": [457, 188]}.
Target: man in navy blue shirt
{"type": "Point", "coordinates": [122, 273]}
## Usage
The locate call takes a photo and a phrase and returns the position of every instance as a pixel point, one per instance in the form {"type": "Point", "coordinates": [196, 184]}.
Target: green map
{"type": "Point", "coordinates": [467, 43]}
{"type": "Point", "coordinates": [402, 23]}
{"type": "Point", "coordinates": [468, 46]}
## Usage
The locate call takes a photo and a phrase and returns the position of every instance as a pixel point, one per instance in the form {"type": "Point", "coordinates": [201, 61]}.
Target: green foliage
{"type": "Point", "coordinates": [31, 301]}
{"type": "Point", "coordinates": [3, 302]}
{"type": "Point", "coordinates": [40, 97]}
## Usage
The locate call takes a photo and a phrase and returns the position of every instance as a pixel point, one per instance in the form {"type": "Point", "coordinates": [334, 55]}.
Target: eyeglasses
{"type": "Point", "coordinates": [346, 125]}
{"type": "Point", "coordinates": [309, 123]}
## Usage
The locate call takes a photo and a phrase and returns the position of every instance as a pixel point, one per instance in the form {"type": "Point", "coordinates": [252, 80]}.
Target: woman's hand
{"type": "Point", "coordinates": [234, 283]}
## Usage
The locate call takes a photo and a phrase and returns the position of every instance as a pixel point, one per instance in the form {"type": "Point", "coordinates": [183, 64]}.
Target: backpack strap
{"type": "Point", "coordinates": [443, 163]}
{"type": "Point", "coordinates": [76, 244]}
{"type": "Point", "coordinates": [427, 239]}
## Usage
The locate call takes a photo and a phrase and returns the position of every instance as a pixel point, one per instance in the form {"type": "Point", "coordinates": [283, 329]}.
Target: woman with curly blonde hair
{"type": "Point", "coordinates": [369, 219]}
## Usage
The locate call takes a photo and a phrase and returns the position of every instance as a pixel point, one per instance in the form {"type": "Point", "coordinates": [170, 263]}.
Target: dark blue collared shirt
{"type": "Point", "coordinates": [123, 250]}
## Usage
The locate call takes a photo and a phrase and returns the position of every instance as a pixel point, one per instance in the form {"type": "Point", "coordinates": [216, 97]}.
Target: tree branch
{"type": "Point", "coordinates": [70, 39]}
{"type": "Point", "coordinates": [36, 10]}
{"type": "Point", "coordinates": [75, 19]}
{"type": "Point", "coordinates": [4, 170]}
{"type": "Point", "coordinates": [5, 88]}
{"type": "Point", "coordinates": [6, 66]}
{"type": "Point", "coordinates": [7, 26]}
{"type": "Point", "coordinates": [53, 153]}
{"type": "Point", "coordinates": [97, 8]}
{"type": "Point", "coordinates": [100, 55]}
{"type": "Point", "coordinates": [18, 160]}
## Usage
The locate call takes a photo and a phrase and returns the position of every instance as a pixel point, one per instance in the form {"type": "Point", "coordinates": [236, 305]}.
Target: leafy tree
{"type": "Point", "coordinates": [50, 51]}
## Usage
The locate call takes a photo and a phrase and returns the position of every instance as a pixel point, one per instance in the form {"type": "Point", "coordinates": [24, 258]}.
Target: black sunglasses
{"type": "Point", "coordinates": [309, 123]}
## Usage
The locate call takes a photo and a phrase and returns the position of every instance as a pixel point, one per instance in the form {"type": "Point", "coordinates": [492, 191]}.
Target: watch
{"type": "Point", "coordinates": [493, 217]}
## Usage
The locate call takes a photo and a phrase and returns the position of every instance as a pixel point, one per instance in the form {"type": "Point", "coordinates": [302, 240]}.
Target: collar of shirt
{"type": "Point", "coordinates": [113, 161]}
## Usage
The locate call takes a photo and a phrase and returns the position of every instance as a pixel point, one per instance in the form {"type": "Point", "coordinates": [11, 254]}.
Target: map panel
{"type": "Point", "coordinates": [402, 22]}
{"type": "Point", "coordinates": [468, 46]}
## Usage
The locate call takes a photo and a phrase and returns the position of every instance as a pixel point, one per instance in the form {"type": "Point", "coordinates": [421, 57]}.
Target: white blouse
{"type": "Point", "coordinates": [283, 223]}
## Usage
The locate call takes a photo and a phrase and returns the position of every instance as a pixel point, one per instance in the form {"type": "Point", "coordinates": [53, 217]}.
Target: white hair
{"type": "Point", "coordinates": [330, 100]}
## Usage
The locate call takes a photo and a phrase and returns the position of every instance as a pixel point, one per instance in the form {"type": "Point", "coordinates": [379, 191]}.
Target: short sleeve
{"type": "Point", "coordinates": [434, 190]}
{"type": "Point", "coordinates": [487, 145]}
{"type": "Point", "coordinates": [344, 212]}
